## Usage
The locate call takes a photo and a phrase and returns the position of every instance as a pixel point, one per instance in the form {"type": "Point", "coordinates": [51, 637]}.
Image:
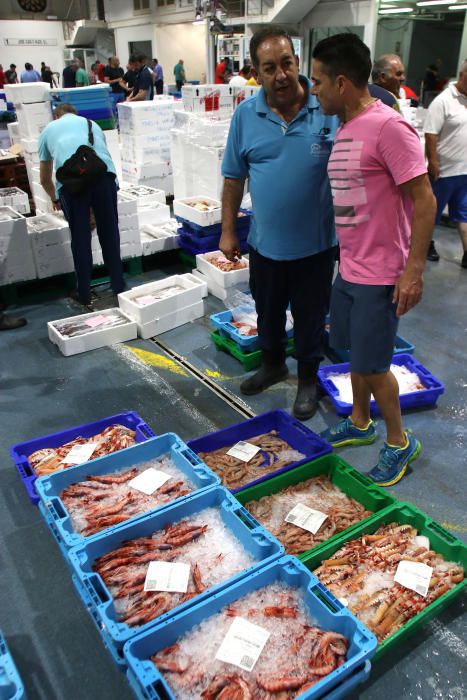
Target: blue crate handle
{"type": "Point", "coordinates": [247, 518]}
{"type": "Point", "coordinates": [145, 430]}
{"type": "Point", "coordinates": [55, 509]}
{"type": "Point", "coordinates": [441, 532]}
{"type": "Point", "coordinates": [348, 684]}
{"type": "Point", "coordinates": [97, 589]}
{"type": "Point", "coordinates": [330, 386]}
{"type": "Point", "coordinates": [331, 601]}
{"type": "Point", "coordinates": [193, 458]}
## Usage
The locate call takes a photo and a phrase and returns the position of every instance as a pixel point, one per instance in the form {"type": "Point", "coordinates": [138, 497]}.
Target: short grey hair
{"type": "Point", "coordinates": [382, 65]}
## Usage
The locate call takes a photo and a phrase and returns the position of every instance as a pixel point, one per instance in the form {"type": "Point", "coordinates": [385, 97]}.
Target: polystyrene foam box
{"type": "Point", "coordinates": [27, 92]}
{"type": "Point", "coordinates": [33, 118]}
{"type": "Point", "coordinates": [172, 320]}
{"type": "Point", "coordinates": [185, 209]}
{"type": "Point", "coordinates": [154, 304]}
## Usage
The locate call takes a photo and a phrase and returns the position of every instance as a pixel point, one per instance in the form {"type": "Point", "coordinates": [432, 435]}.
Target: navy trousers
{"type": "Point", "coordinates": [102, 199]}
{"type": "Point", "coordinates": [305, 284]}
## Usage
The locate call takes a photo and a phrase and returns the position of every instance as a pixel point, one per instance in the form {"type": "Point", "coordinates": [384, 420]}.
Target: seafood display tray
{"type": "Point", "coordinates": [250, 360]}
{"type": "Point", "coordinates": [255, 539]}
{"type": "Point", "coordinates": [243, 222]}
{"type": "Point", "coordinates": [345, 477]}
{"type": "Point", "coordinates": [327, 612]}
{"type": "Point", "coordinates": [401, 346]}
{"type": "Point", "coordinates": [289, 429]}
{"type": "Point", "coordinates": [96, 338]}
{"type": "Point", "coordinates": [441, 541]}
{"type": "Point", "coordinates": [20, 452]}
{"type": "Point", "coordinates": [50, 487]}
{"type": "Point", "coordinates": [416, 399]}
{"type": "Point", "coordinates": [223, 323]}
{"type": "Point", "coordinates": [11, 686]}
{"type": "Point", "coordinates": [197, 245]}
{"type": "Point", "coordinates": [182, 208]}
{"type": "Point", "coordinates": [223, 279]}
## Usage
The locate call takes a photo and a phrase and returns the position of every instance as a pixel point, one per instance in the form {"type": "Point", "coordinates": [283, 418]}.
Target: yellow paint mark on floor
{"type": "Point", "coordinates": [214, 374]}
{"type": "Point", "coordinates": [452, 526]}
{"type": "Point", "coordinates": [160, 361]}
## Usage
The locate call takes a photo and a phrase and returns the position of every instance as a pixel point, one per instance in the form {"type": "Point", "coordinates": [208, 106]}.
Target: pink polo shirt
{"type": "Point", "coordinates": [373, 154]}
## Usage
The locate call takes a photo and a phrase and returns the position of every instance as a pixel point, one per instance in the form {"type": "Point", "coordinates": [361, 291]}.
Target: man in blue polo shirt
{"type": "Point", "coordinates": [281, 141]}
{"type": "Point", "coordinates": [144, 85]}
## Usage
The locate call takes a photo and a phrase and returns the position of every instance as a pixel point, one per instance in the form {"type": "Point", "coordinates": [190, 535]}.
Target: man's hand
{"type": "Point", "coordinates": [408, 291]}
{"type": "Point", "coordinates": [230, 246]}
{"type": "Point", "coordinates": [56, 205]}
{"type": "Point", "coordinates": [433, 170]}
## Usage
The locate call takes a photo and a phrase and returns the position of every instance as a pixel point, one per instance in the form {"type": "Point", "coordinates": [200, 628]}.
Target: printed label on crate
{"type": "Point", "coordinates": [243, 644]}
{"type": "Point", "coordinates": [149, 481]}
{"type": "Point", "coordinates": [96, 321]}
{"type": "Point", "coordinates": [148, 299]}
{"type": "Point", "coordinates": [244, 451]}
{"type": "Point", "coordinates": [306, 518]}
{"type": "Point", "coordinates": [167, 576]}
{"type": "Point", "coordinates": [80, 453]}
{"type": "Point", "coordinates": [414, 575]}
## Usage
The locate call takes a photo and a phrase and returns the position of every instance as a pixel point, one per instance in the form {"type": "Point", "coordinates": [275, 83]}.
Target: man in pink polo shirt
{"type": "Point", "coordinates": [384, 211]}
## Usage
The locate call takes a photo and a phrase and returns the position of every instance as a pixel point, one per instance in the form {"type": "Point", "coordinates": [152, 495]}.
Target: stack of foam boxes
{"type": "Point", "coordinates": [34, 112]}
{"type": "Point", "coordinates": [50, 241]}
{"type": "Point", "coordinates": [243, 93]}
{"type": "Point", "coordinates": [16, 260]}
{"type": "Point", "coordinates": [145, 143]}
{"type": "Point", "coordinates": [15, 198]}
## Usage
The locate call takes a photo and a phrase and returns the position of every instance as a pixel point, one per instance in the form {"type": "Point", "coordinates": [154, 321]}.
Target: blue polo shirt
{"type": "Point", "coordinates": [62, 137]}
{"type": "Point", "coordinates": [286, 164]}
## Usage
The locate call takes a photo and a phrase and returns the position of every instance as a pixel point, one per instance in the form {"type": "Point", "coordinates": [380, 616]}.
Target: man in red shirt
{"type": "Point", "coordinates": [2, 77]}
{"type": "Point", "coordinates": [100, 71]}
{"type": "Point", "coordinates": [221, 72]}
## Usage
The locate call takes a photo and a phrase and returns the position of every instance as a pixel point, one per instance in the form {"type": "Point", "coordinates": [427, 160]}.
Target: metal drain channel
{"type": "Point", "coordinates": [229, 398]}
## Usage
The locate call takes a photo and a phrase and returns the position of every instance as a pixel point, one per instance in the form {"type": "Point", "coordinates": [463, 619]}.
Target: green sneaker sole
{"type": "Point", "coordinates": [403, 470]}
{"type": "Point", "coordinates": [355, 441]}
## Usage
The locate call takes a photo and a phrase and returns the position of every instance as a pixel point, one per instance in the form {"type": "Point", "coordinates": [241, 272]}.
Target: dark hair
{"type": "Point", "coordinates": [271, 31]}
{"type": "Point", "coordinates": [12, 65]}
{"type": "Point", "coordinates": [155, 60]}
{"type": "Point", "coordinates": [28, 66]}
{"type": "Point", "coordinates": [64, 108]}
{"type": "Point", "coordinates": [345, 54]}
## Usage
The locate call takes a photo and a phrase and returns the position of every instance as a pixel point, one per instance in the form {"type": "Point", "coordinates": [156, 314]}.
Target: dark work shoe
{"type": "Point", "coordinates": [464, 260]}
{"type": "Point", "coordinates": [432, 254]}
{"type": "Point", "coordinates": [75, 296]}
{"type": "Point", "coordinates": [272, 371]}
{"type": "Point", "coordinates": [306, 401]}
{"type": "Point", "coordinates": [9, 323]}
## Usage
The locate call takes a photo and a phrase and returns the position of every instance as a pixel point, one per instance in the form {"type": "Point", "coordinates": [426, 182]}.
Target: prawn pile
{"type": "Point", "coordinates": [275, 453]}
{"type": "Point", "coordinates": [50, 459]}
{"type": "Point", "coordinates": [78, 327]}
{"type": "Point", "coordinates": [408, 381]}
{"type": "Point", "coordinates": [318, 493]}
{"type": "Point", "coordinates": [104, 500]}
{"type": "Point", "coordinates": [247, 322]}
{"type": "Point", "coordinates": [202, 205]}
{"type": "Point", "coordinates": [204, 542]}
{"type": "Point", "coordinates": [296, 656]}
{"type": "Point", "coordinates": [362, 572]}
{"type": "Point", "coordinates": [221, 262]}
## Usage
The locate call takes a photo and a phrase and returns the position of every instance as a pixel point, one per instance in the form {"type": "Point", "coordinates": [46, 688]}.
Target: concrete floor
{"type": "Point", "coordinates": [55, 645]}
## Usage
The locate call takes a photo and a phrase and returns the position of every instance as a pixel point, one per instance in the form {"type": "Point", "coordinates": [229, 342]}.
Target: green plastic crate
{"type": "Point", "coordinates": [345, 477]}
{"type": "Point", "coordinates": [249, 360]}
{"type": "Point", "coordinates": [105, 124]}
{"type": "Point", "coordinates": [186, 258]}
{"type": "Point", "coordinates": [441, 541]}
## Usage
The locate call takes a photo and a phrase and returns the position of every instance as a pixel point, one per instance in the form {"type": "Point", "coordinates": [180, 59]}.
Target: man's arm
{"type": "Point", "coordinates": [409, 288]}
{"type": "Point", "coordinates": [231, 200]}
{"type": "Point", "coordinates": [46, 169]}
{"type": "Point", "coordinates": [431, 152]}
{"type": "Point", "coordinates": [141, 95]}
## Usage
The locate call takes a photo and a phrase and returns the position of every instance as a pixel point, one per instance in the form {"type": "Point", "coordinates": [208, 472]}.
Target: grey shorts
{"type": "Point", "coordinates": [364, 321]}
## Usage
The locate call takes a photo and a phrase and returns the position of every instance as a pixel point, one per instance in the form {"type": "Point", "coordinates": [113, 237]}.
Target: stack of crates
{"type": "Point", "coordinates": [93, 102]}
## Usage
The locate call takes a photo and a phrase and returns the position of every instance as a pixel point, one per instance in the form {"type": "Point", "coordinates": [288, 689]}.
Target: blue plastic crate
{"type": "Point", "coordinates": [11, 686]}
{"type": "Point", "coordinates": [50, 487]}
{"type": "Point", "coordinates": [401, 346]}
{"type": "Point", "coordinates": [417, 399]}
{"type": "Point", "coordinates": [104, 112]}
{"type": "Point", "coordinates": [20, 452]}
{"type": "Point", "coordinates": [223, 322]}
{"type": "Point", "coordinates": [197, 246]}
{"type": "Point", "coordinates": [243, 225]}
{"type": "Point", "coordinates": [288, 428]}
{"type": "Point", "coordinates": [256, 540]}
{"type": "Point", "coordinates": [326, 611]}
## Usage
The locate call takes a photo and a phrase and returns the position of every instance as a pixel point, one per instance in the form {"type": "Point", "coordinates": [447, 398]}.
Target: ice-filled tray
{"type": "Point", "coordinates": [223, 321]}
{"type": "Point", "coordinates": [207, 213]}
{"type": "Point", "coordinates": [324, 611]}
{"type": "Point", "coordinates": [50, 488]}
{"type": "Point", "coordinates": [259, 546]}
{"type": "Point", "coordinates": [155, 299]}
{"type": "Point", "coordinates": [219, 277]}
{"type": "Point", "coordinates": [11, 685]}
{"type": "Point", "coordinates": [428, 396]}
{"type": "Point", "coordinates": [106, 327]}
{"type": "Point", "coordinates": [21, 452]}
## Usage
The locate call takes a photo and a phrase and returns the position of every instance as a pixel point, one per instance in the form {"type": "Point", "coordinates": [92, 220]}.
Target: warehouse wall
{"type": "Point", "coordinates": [345, 14]}
{"type": "Point", "coordinates": [187, 41]}
{"type": "Point", "coordinates": [125, 35]}
{"type": "Point", "coordinates": [31, 29]}
{"type": "Point", "coordinates": [394, 36]}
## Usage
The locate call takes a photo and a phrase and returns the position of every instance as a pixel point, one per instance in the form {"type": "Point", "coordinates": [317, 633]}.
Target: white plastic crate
{"type": "Point", "coordinates": [96, 338]}
{"type": "Point", "coordinates": [184, 209]}
{"type": "Point", "coordinates": [149, 311]}
{"type": "Point", "coordinates": [222, 279]}
{"type": "Point", "coordinates": [171, 321]}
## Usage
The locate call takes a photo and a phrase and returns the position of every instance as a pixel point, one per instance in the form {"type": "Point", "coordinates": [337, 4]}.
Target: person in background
{"type": "Point", "coordinates": [11, 76]}
{"type": "Point", "coordinates": [2, 77]}
{"type": "Point", "coordinates": [129, 79]}
{"type": "Point", "coordinates": [42, 71]}
{"type": "Point", "coordinates": [446, 150]}
{"type": "Point", "coordinates": [100, 71]}
{"type": "Point", "coordinates": [158, 77]}
{"type": "Point", "coordinates": [113, 76]}
{"type": "Point", "coordinates": [222, 72]}
{"type": "Point", "coordinates": [58, 141]}
{"type": "Point", "coordinates": [431, 78]}
{"type": "Point", "coordinates": [29, 75]}
{"type": "Point", "coordinates": [179, 73]}
{"type": "Point", "coordinates": [92, 74]}
{"type": "Point", "coordinates": [384, 211]}
{"type": "Point", "coordinates": [281, 141]}
{"type": "Point", "coordinates": [241, 79]}
{"type": "Point", "coordinates": [9, 323]}
{"type": "Point", "coordinates": [388, 72]}
{"type": "Point", "coordinates": [48, 77]}
{"type": "Point", "coordinates": [144, 84]}
{"type": "Point", "coordinates": [69, 75]}
{"type": "Point", "coordinates": [82, 79]}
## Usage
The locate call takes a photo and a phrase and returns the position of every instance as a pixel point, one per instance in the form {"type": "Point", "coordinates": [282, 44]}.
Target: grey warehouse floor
{"type": "Point", "coordinates": [56, 647]}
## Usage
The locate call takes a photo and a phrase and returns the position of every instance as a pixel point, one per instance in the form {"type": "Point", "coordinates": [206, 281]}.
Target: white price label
{"type": "Point", "coordinates": [144, 301]}
{"type": "Point", "coordinates": [421, 541]}
{"type": "Point", "coordinates": [306, 518]}
{"type": "Point", "coordinates": [96, 321]}
{"type": "Point", "coordinates": [80, 453]}
{"type": "Point", "coordinates": [414, 575]}
{"type": "Point", "coordinates": [244, 451]}
{"type": "Point", "coordinates": [167, 576]}
{"type": "Point", "coordinates": [149, 481]}
{"type": "Point", "coordinates": [243, 644]}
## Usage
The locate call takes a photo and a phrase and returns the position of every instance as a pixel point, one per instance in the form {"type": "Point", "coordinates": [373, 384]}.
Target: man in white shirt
{"type": "Point", "coordinates": [446, 151]}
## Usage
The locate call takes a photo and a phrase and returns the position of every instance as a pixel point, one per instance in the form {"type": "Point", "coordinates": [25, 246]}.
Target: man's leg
{"type": "Point", "coordinates": [104, 205]}
{"type": "Point", "coordinates": [385, 389]}
{"type": "Point", "coordinates": [361, 392]}
{"type": "Point", "coordinates": [442, 191]}
{"type": "Point", "coordinates": [76, 211]}
{"type": "Point", "coordinates": [458, 213]}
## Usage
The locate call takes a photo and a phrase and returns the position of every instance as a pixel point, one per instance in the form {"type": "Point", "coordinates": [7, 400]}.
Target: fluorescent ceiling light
{"type": "Point", "coordinates": [428, 3]}
{"type": "Point", "coordinates": [397, 10]}
{"type": "Point", "coordinates": [457, 7]}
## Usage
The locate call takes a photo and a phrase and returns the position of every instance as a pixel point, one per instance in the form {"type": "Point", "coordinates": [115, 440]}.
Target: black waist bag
{"type": "Point", "coordinates": [79, 172]}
